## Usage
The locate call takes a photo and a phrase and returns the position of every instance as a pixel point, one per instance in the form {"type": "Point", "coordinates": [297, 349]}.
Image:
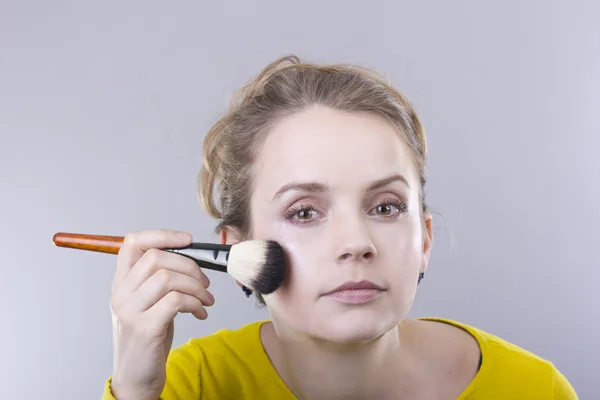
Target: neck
{"type": "Point", "coordinates": [315, 369]}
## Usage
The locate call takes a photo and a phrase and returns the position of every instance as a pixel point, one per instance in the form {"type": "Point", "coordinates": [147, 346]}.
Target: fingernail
{"type": "Point", "coordinates": [211, 297]}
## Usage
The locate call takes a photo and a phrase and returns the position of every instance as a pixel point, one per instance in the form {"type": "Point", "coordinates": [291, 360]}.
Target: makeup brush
{"type": "Point", "coordinates": [257, 264]}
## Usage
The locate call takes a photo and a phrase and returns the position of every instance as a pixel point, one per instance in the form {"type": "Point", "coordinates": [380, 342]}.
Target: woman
{"type": "Point", "coordinates": [329, 160]}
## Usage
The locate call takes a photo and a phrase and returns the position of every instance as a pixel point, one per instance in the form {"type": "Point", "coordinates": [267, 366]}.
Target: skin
{"type": "Point", "coordinates": [321, 348]}
{"type": "Point", "coordinates": [358, 219]}
{"type": "Point", "coordinates": [150, 287]}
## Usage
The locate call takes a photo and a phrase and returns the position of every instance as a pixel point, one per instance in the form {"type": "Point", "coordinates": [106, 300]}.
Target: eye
{"type": "Point", "coordinates": [301, 213]}
{"type": "Point", "coordinates": [305, 214]}
{"type": "Point", "coordinates": [389, 208]}
{"type": "Point", "coordinates": [384, 209]}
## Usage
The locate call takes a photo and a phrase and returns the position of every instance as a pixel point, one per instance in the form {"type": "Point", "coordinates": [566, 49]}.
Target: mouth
{"type": "Point", "coordinates": [356, 292]}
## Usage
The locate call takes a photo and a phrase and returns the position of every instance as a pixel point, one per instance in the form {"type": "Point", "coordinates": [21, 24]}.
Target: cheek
{"type": "Point", "coordinates": [294, 300]}
{"type": "Point", "coordinates": [303, 254]}
{"type": "Point", "coordinates": [405, 245]}
{"type": "Point", "coordinates": [302, 279]}
{"type": "Point", "coordinates": [400, 251]}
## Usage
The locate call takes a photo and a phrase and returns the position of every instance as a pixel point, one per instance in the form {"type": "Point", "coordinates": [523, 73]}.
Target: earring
{"type": "Point", "coordinates": [247, 291]}
{"type": "Point", "coordinates": [421, 276]}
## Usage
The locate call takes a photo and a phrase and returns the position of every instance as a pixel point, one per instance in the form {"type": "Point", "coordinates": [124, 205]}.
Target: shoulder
{"type": "Point", "coordinates": [230, 363]}
{"type": "Point", "coordinates": [509, 369]}
{"type": "Point", "coordinates": [239, 341]}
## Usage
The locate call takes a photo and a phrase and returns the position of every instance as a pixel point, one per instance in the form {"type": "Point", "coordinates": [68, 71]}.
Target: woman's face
{"type": "Point", "coordinates": [339, 192]}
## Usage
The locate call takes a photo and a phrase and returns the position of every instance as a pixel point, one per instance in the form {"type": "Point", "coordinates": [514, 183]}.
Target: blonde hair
{"type": "Point", "coordinates": [284, 87]}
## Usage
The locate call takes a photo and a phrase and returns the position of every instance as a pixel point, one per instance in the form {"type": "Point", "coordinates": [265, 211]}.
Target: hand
{"type": "Point", "coordinates": [149, 288]}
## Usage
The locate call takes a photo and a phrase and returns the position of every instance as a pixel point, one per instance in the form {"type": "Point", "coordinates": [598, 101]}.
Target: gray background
{"type": "Point", "coordinates": [104, 106]}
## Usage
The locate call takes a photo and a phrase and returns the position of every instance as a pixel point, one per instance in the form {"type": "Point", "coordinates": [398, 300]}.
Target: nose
{"type": "Point", "coordinates": [354, 242]}
{"type": "Point", "coordinates": [356, 253]}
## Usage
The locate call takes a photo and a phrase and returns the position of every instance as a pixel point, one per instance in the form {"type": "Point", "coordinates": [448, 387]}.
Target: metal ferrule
{"type": "Point", "coordinates": [215, 255]}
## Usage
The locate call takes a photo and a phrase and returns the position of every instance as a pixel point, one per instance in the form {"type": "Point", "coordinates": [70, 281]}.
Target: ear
{"type": "Point", "coordinates": [427, 239]}
{"type": "Point", "coordinates": [230, 236]}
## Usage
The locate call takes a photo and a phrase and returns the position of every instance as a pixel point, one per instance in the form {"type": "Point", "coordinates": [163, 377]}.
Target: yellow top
{"type": "Point", "coordinates": [232, 364]}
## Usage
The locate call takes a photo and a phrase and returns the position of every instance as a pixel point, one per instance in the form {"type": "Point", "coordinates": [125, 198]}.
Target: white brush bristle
{"type": "Point", "coordinates": [258, 264]}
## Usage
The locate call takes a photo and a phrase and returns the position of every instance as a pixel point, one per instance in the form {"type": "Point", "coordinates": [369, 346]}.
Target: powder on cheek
{"type": "Point", "coordinates": [303, 277]}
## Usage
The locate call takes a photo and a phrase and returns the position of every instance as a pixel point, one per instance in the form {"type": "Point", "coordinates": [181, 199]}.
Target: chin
{"type": "Point", "coordinates": [356, 325]}
{"type": "Point", "coordinates": [337, 322]}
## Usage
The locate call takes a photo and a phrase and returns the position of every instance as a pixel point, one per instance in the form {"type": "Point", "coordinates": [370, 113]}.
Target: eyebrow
{"type": "Point", "coordinates": [316, 187]}
{"type": "Point", "coordinates": [313, 187]}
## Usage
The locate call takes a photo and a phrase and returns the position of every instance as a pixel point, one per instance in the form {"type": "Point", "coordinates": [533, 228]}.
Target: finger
{"type": "Point", "coordinates": [137, 243]}
{"type": "Point", "coordinates": [154, 260]}
{"type": "Point", "coordinates": [165, 310]}
{"type": "Point", "coordinates": [163, 282]}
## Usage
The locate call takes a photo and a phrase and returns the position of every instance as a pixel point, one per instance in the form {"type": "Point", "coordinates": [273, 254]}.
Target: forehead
{"type": "Point", "coordinates": [333, 147]}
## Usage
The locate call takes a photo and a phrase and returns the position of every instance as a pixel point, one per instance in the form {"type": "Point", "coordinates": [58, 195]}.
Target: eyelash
{"type": "Point", "coordinates": [402, 208]}
{"type": "Point", "coordinates": [291, 213]}
{"type": "Point", "coordinates": [399, 205]}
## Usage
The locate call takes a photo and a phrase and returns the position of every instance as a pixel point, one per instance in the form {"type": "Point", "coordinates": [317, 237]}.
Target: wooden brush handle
{"type": "Point", "coordinates": [97, 243]}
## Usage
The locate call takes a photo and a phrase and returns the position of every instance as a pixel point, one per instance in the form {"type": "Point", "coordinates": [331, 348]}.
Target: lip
{"type": "Point", "coordinates": [362, 285]}
{"type": "Point", "coordinates": [356, 292]}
